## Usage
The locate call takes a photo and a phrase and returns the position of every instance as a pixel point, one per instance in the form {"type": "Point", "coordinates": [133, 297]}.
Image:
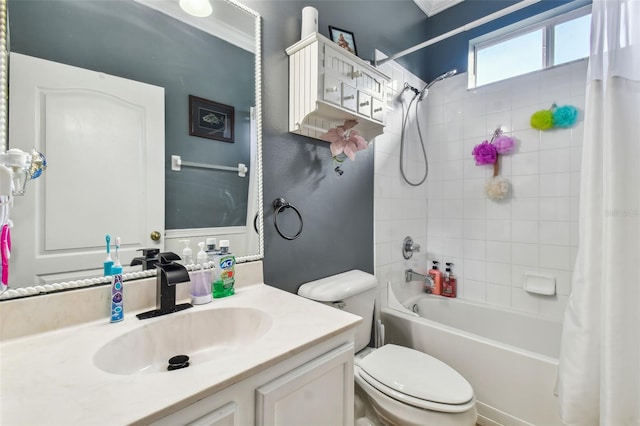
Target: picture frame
{"type": "Point", "coordinates": [211, 120]}
{"type": "Point", "coordinates": [344, 39]}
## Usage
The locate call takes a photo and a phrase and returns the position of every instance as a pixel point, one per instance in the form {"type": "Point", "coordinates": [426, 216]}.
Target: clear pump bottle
{"type": "Point", "coordinates": [201, 279]}
{"type": "Point", "coordinates": [187, 253]}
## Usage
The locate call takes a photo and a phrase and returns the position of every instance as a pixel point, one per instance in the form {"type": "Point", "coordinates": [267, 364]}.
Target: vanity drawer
{"type": "Point", "coordinates": [364, 104]}
{"type": "Point", "coordinates": [377, 110]}
{"type": "Point", "coordinates": [349, 94]}
{"type": "Point", "coordinates": [331, 92]}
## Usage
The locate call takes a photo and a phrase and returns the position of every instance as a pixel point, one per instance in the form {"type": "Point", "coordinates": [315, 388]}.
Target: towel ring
{"type": "Point", "coordinates": [280, 205]}
{"type": "Point", "coordinates": [255, 223]}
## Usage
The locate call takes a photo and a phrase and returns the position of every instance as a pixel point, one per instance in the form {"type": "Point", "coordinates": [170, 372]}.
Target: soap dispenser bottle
{"type": "Point", "coordinates": [436, 276]}
{"type": "Point", "coordinates": [201, 279]}
{"type": "Point", "coordinates": [450, 284]}
{"type": "Point", "coordinates": [187, 253]}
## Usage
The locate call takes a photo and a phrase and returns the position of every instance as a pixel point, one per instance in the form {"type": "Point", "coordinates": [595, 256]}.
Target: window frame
{"type": "Point", "coordinates": [546, 21]}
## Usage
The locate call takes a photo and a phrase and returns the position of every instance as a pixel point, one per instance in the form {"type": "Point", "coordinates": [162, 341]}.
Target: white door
{"type": "Point", "coordinates": [103, 137]}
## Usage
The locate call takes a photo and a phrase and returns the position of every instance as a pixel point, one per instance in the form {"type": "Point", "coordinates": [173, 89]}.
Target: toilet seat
{"type": "Point", "coordinates": [416, 378]}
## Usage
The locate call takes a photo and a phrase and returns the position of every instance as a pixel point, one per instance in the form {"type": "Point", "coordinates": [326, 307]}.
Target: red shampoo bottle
{"type": "Point", "coordinates": [436, 276]}
{"type": "Point", "coordinates": [450, 284]}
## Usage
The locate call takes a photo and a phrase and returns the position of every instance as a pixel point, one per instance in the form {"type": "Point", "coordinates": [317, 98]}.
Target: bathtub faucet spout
{"type": "Point", "coordinates": [411, 275]}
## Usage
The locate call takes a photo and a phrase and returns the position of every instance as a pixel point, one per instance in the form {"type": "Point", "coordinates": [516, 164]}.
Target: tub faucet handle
{"type": "Point", "coordinates": [409, 247]}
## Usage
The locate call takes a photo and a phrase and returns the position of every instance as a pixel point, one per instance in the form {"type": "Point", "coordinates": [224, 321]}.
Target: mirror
{"type": "Point", "coordinates": [216, 59]}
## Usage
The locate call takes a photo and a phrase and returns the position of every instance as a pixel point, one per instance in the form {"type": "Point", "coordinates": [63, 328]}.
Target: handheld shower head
{"type": "Point", "coordinates": [425, 91]}
{"type": "Point", "coordinates": [441, 77]}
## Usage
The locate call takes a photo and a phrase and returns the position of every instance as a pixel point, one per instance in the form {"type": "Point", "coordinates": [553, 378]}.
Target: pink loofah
{"type": "Point", "coordinates": [504, 144]}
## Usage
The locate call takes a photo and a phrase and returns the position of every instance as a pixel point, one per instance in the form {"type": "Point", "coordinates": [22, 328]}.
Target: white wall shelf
{"type": "Point", "coordinates": [328, 85]}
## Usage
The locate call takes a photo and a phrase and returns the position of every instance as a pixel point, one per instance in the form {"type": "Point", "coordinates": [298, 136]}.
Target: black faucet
{"type": "Point", "coordinates": [169, 274]}
{"type": "Point", "coordinates": [148, 260]}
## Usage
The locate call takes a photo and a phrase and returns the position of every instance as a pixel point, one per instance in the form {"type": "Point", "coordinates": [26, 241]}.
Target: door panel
{"type": "Point", "coordinates": [108, 132]}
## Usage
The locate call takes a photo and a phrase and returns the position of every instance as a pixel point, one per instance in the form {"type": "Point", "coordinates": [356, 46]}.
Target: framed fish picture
{"type": "Point", "coordinates": [211, 120]}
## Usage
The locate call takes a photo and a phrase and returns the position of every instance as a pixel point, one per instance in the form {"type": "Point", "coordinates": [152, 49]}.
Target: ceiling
{"type": "Point", "coordinates": [431, 7]}
{"type": "Point", "coordinates": [227, 22]}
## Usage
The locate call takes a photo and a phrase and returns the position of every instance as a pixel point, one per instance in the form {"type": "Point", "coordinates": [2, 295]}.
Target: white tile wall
{"type": "Point", "coordinates": [491, 243]}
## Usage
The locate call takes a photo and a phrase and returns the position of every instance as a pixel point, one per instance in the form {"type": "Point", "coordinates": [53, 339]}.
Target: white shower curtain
{"type": "Point", "coordinates": [599, 374]}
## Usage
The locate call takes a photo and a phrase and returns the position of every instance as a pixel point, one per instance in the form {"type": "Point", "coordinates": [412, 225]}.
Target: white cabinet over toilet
{"type": "Point", "coordinates": [328, 85]}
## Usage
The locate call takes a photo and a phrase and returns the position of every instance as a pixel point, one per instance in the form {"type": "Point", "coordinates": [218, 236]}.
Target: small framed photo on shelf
{"type": "Point", "coordinates": [345, 39]}
{"type": "Point", "coordinates": [211, 120]}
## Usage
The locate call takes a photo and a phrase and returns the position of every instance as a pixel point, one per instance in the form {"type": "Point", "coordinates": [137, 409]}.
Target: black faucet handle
{"type": "Point", "coordinates": [148, 259]}
{"type": "Point", "coordinates": [168, 257]}
{"type": "Point", "coordinates": [172, 274]}
{"type": "Point", "coordinates": [149, 253]}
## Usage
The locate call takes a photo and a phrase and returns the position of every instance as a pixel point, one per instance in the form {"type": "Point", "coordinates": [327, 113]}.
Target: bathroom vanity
{"type": "Point", "coordinates": [262, 356]}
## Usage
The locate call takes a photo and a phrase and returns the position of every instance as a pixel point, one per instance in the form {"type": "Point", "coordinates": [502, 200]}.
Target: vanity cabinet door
{"type": "Point", "coordinates": [215, 410]}
{"type": "Point", "coordinates": [223, 416]}
{"type": "Point", "coordinates": [319, 392]}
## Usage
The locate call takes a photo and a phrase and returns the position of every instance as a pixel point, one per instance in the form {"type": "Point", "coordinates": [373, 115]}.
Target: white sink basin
{"type": "Point", "coordinates": [203, 335]}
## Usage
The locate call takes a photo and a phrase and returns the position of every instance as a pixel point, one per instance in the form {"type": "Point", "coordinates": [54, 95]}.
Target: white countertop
{"type": "Point", "coordinates": [50, 378]}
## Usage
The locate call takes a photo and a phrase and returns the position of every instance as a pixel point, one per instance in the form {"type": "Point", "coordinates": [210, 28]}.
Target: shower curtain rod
{"type": "Point", "coordinates": [467, 27]}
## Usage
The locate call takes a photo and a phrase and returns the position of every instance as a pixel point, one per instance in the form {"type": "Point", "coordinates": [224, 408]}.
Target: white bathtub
{"type": "Point", "coordinates": [510, 358]}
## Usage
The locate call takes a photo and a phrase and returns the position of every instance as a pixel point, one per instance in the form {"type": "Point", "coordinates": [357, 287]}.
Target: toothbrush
{"type": "Point", "coordinates": [108, 263]}
{"type": "Point", "coordinates": [108, 239]}
{"type": "Point", "coordinates": [5, 249]}
{"type": "Point", "coordinates": [118, 252]}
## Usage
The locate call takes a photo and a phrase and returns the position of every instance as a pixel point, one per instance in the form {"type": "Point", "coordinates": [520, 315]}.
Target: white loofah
{"type": "Point", "coordinates": [497, 188]}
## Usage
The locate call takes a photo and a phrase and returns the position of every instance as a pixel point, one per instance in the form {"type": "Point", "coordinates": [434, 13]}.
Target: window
{"type": "Point", "coordinates": [552, 38]}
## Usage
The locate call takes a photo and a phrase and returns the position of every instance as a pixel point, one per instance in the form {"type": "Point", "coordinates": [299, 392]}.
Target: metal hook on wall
{"type": "Point", "coordinates": [280, 205]}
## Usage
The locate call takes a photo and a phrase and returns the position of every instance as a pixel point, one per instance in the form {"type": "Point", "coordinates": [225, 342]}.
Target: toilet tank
{"type": "Point", "coordinates": [357, 289]}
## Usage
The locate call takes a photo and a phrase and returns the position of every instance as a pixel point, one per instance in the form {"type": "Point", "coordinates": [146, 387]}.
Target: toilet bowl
{"type": "Point", "coordinates": [403, 386]}
{"type": "Point", "coordinates": [407, 387]}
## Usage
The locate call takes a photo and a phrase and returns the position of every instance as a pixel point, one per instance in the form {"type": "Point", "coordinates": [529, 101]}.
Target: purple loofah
{"type": "Point", "coordinates": [485, 153]}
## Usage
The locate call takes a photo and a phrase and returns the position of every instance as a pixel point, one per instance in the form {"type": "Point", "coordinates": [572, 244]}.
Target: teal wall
{"type": "Point", "coordinates": [338, 211]}
{"type": "Point", "coordinates": [126, 39]}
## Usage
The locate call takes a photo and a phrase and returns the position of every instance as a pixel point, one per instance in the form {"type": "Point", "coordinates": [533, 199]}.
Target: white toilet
{"type": "Point", "coordinates": [404, 386]}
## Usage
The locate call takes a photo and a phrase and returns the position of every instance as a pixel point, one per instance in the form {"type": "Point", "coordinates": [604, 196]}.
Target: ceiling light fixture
{"type": "Point", "coordinates": [198, 8]}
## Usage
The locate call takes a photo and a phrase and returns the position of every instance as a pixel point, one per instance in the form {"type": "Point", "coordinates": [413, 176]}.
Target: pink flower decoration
{"type": "Point", "coordinates": [354, 144]}
{"type": "Point", "coordinates": [504, 144]}
{"type": "Point", "coordinates": [485, 153]}
{"type": "Point", "coordinates": [341, 141]}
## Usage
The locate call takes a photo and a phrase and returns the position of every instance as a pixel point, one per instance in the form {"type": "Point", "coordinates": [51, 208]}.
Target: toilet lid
{"type": "Point", "coordinates": [417, 374]}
